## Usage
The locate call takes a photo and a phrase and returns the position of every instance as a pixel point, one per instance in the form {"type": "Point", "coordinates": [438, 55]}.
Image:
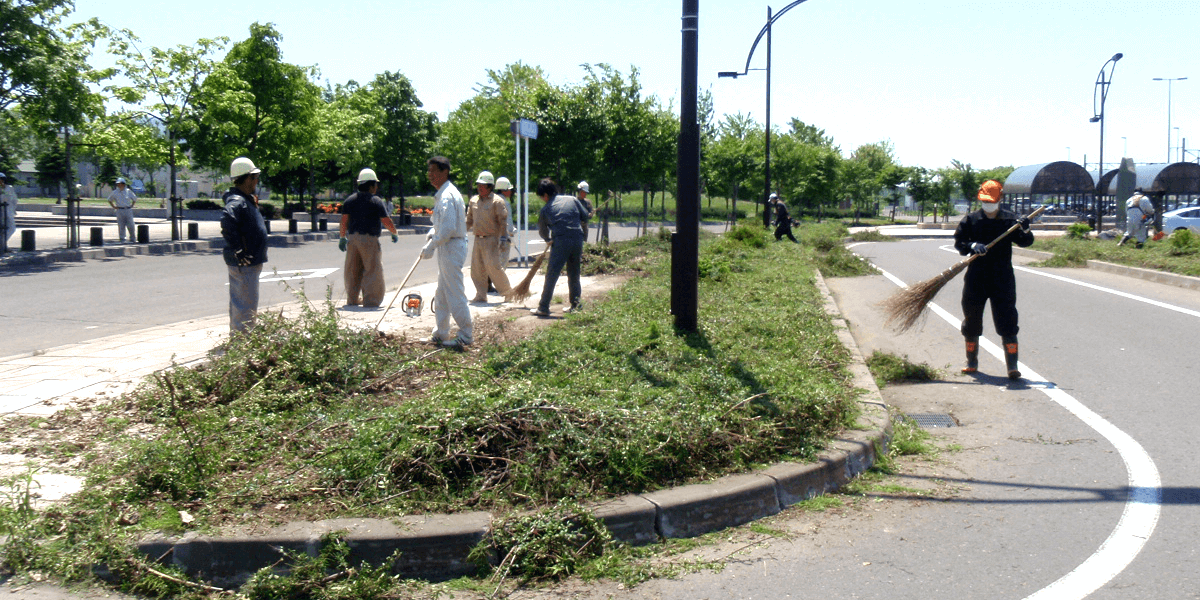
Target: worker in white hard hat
{"type": "Point", "coordinates": [364, 215]}
{"type": "Point", "coordinates": [487, 218]}
{"type": "Point", "coordinates": [8, 211]}
{"type": "Point", "coordinates": [448, 238]}
{"type": "Point", "coordinates": [581, 193]}
{"type": "Point", "coordinates": [122, 201]}
{"type": "Point", "coordinates": [245, 236]}
{"type": "Point", "coordinates": [505, 188]}
{"type": "Point", "coordinates": [1139, 215]}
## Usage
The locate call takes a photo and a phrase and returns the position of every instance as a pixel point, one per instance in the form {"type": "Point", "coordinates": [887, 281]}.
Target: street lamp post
{"type": "Point", "coordinates": [1103, 80]}
{"type": "Point", "coordinates": [766, 30]}
{"type": "Point", "coordinates": [1169, 80]}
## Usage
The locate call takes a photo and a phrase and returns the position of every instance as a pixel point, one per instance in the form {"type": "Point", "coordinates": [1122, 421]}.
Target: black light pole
{"type": "Point", "coordinates": [685, 244]}
{"type": "Point", "coordinates": [766, 30]}
{"type": "Point", "coordinates": [1101, 94]}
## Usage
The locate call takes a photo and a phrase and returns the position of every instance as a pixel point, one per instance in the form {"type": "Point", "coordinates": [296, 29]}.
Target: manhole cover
{"type": "Point", "coordinates": [931, 420]}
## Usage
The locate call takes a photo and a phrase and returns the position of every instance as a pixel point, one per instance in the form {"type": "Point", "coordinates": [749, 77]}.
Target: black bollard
{"type": "Point", "coordinates": [193, 231]}
{"type": "Point", "coordinates": [293, 226]}
{"type": "Point", "coordinates": [143, 232]}
{"type": "Point", "coordinates": [324, 225]}
{"type": "Point", "coordinates": [97, 236]}
{"type": "Point", "coordinates": [27, 240]}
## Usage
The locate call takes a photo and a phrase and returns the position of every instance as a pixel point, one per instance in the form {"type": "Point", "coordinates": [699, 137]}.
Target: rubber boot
{"type": "Point", "coordinates": [972, 355]}
{"type": "Point", "coordinates": [1010, 356]}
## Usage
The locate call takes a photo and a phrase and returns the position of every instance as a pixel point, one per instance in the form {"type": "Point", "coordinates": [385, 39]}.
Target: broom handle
{"type": "Point", "coordinates": [398, 290]}
{"type": "Point", "coordinates": [1033, 215]}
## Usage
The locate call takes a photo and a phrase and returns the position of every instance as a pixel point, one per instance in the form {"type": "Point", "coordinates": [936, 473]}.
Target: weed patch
{"type": "Point", "coordinates": [889, 368]}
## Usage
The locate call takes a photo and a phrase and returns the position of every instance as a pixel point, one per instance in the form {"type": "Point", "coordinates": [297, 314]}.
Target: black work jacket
{"type": "Point", "coordinates": [977, 227]}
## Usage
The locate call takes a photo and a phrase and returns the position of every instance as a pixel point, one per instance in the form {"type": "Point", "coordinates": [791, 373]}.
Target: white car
{"type": "Point", "coordinates": [1187, 217]}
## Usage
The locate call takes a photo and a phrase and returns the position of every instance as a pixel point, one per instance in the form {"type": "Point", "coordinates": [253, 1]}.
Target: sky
{"type": "Point", "coordinates": [989, 83]}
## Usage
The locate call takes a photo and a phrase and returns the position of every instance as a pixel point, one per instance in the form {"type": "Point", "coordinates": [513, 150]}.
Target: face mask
{"type": "Point", "coordinates": [990, 207]}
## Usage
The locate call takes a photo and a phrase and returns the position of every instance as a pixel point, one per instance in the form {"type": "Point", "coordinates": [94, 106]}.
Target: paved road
{"type": "Point", "coordinates": [66, 303]}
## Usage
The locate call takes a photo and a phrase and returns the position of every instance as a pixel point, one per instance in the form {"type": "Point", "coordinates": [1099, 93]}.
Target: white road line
{"type": "Point", "coordinates": [1178, 309]}
{"type": "Point", "coordinates": [1140, 516]}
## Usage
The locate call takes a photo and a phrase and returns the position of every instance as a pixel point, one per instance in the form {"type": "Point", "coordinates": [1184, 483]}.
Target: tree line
{"type": "Point", "coordinates": [198, 106]}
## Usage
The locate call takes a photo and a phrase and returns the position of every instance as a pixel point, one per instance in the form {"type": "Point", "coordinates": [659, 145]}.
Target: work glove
{"type": "Point", "coordinates": [1024, 221]}
{"type": "Point", "coordinates": [395, 238]}
{"type": "Point", "coordinates": [427, 250]}
{"type": "Point", "coordinates": [243, 259]}
{"type": "Point", "coordinates": [978, 248]}
{"type": "Point", "coordinates": [429, 235]}
{"type": "Point", "coordinates": [342, 244]}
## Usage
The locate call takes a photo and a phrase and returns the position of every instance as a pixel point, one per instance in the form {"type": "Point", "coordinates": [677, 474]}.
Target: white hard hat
{"type": "Point", "coordinates": [120, 180]}
{"type": "Point", "coordinates": [486, 177]}
{"type": "Point", "coordinates": [367, 175]}
{"type": "Point", "coordinates": [503, 184]}
{"type": "Point", "coordinates": [583, 185]}
{"type": "Point", "coordinates": [773, 196]}
{"type": "Point", "coordinates": [242, 166]}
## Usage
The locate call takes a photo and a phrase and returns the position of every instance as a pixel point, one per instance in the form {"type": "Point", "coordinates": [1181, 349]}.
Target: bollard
{"type": "Point", "coordinates": [27, 242]}
{"type": "Point", "coordinates": [97, 236]}
{"type": "Point", "coordinates": [267, 224]}
{"type": "Point", "coordinates": [324, 225]}
{"type": "Point", "coordinates": [143, 234]}
{"type": "Point", "coordinates": [193, 231]}
{"type": "Point", "coordinates": [293, 226]}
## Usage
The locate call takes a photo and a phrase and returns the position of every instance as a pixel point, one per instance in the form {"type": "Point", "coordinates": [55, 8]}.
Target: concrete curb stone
{"type": "Point", "coordinates": [436, 547]}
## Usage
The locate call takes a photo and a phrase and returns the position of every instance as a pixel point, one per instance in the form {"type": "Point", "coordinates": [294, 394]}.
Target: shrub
{"type": "Point", "coordinates": [1183, 243]}
{"type": "Point", "coordinates": [269, 211]}
{"type": "Point", "coordinates": [1079, 231]}
{"type": "Point", "coordinates": [203, 205]}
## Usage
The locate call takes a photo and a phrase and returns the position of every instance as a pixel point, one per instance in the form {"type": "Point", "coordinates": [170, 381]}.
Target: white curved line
{"type": "Point", "coordinates": [1140, 516]}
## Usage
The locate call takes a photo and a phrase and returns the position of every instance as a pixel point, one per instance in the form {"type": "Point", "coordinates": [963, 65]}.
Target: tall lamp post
{"type": "Point", "coordinates": [766, 30]}
{"type": "Point", "coordinates": [1103, 80]}
{"type": "Point", "coordinates": [1169, 80]}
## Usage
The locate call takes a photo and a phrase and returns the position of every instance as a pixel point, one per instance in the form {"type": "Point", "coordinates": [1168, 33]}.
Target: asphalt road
{"type": "Point", "coordinates": [66, 303]}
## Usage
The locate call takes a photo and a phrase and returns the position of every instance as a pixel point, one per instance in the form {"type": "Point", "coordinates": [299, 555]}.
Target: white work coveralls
{"type": "Point", "coordinates": [449, 238]}
{"type": "Point", "coordinates": [1138, 214]}
{"type": "Point", "coordinates": [9, 197]}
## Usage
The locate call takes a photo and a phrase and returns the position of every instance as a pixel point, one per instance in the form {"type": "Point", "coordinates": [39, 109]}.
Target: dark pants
{"type": "Point", "coordinates": [999, 287]}
{"type": "Point", "coordinates": [566, 251]}
{"type": "Point", "coordinates": [785, 228]}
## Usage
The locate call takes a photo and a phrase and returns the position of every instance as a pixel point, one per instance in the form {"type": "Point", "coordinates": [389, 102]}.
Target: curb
{"type": "Point", "coordinates": [436, 547]}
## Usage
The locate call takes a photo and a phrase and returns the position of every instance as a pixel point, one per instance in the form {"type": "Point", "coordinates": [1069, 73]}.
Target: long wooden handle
{"type": "Point", "coordinates": [398, 290]}
{"type": "Point", "coordinates": [1033, 215]}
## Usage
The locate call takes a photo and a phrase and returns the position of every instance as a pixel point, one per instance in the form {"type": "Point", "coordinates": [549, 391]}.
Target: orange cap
{"type": "Point", "coordinates": [990, 191]}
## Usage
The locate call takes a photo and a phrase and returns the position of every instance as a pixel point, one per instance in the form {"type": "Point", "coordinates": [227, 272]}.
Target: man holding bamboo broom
{"type": "Point", "coordinates": [562, 222]}
{"type": "Point", "coordinates": [990, 275]}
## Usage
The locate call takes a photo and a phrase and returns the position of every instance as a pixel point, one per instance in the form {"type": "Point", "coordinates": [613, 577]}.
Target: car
{"type": "Point", "coordinates": [1187, 217]}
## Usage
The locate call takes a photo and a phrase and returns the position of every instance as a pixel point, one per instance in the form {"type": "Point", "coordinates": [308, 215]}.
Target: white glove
{"type": "Point", "coordinates": [427, 250]}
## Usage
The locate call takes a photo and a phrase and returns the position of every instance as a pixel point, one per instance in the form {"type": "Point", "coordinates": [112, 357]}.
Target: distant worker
{"type": "Point", "coordinates": [562, 221]}
{"type": "Point", "coordinates": [783, 219]}
{"type": "Point", "coordinates": [581, 193]}
{"type": "Point", "coordinates": [487, 218]}
{"type": "Point", "coordinates": [8, 212]}
{"type": "Point", "coordinates": [990, 276]}
{"type": "Point", "coordinates": [504, 186]}
{"type": "Point", "coordinates": [364, 215]}
{"type": "Point", "coordinates": [1139, 213]}
{"type": "Point", "coordinates": [123, 200]}
{"type": "Point", "coordinates": [245, 236]}
{"type": "Point", "coordinates": [448, 238]}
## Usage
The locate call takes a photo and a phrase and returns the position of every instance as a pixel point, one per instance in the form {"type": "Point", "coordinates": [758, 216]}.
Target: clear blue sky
{"type": "Point", "coordinates": [989, 83]}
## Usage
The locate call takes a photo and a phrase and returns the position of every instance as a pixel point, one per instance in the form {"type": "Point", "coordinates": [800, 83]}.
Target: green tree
{"type": "Point", "coordinates": [53, 168]}
{"type": "Point", "coordinates": [735, 156]}
{"type": "Point", "coordinates": [406, 134]}
{"type": "Point", "coordinates": [256, 105]}
{"type": "Point", "coordinates": [163, 85]}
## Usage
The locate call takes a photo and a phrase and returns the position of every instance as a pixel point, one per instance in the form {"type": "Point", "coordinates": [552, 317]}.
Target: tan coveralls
{"type": "Point", "coordinates": [487, 218]}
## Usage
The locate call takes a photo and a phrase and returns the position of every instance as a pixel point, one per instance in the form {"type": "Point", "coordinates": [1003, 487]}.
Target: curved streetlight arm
{"type": "Point", "coordinates": [1102, 87]}
{"type": "Point", "coordinates": [761, 33]}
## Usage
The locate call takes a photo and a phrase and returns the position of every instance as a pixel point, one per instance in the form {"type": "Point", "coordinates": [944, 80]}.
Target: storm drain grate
{"type": "Point", "coordinates": [931, 420]}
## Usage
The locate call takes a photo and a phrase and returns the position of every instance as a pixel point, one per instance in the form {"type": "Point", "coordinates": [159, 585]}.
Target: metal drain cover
{"type": "Point", "coordinates": [932, 420]}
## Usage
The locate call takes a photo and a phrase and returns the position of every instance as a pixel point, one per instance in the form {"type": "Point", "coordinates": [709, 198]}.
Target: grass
{"type": "Point", "coordinates": [326, 422]}
{"type": "Point", "coordinates": [1177, 253]}
{"type": "Point", "coordinates": [889, 368]}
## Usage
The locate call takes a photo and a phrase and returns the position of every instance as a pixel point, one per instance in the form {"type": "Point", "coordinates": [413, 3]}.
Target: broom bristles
{"type": "Point", "coordinates": [519, 292]}
{"type": "Point", "coordinates": [906, 306]}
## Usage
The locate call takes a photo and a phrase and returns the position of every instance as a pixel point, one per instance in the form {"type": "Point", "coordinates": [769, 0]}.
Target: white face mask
{"type": "Point", "coordinates": [990, 207]}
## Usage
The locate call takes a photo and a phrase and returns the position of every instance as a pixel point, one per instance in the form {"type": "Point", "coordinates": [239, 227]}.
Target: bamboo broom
{"type": "Point", "coordinates": [906, 306]}
{"type": "Point", "coordinates": [520, 292]}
